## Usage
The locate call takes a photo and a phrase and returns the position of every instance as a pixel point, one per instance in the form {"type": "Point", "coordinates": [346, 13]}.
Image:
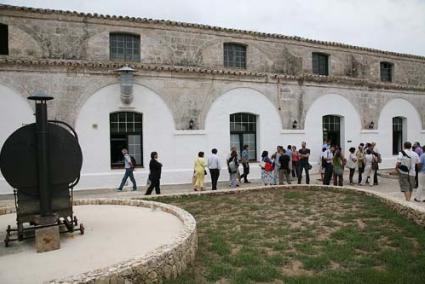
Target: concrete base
{"type": "Point", "coordinates": [47, 239]}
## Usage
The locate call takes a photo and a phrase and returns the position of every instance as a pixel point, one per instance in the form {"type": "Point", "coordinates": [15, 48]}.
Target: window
{"type": "Point", "coordinates": [124, 47]}
{"type": "Point", "coordinates": [386, 72]}
{"type": "Point", "coordinates": [320, 64]}
{"type": "Point", "coordinates": [398, 134]}
{"type": "Point", "coordinates": [332, 129]}
{"type": "Point", "coordinates": [126, 132]}
{"type": "Point", "coordinates": [234, 55]}
{"type": "Point", "coordinates": [243, 131]}
{"type": "Point", "coordinates": [4, 40]}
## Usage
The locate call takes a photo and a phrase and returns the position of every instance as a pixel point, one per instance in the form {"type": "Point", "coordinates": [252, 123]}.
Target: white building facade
{"type": "Point", "coordinates": [197, 87]}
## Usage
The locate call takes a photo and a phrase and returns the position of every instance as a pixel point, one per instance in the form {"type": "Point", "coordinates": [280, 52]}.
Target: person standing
{"type": "Point", "coordinates": [214, 167]}
{"type": "Point", "coordinates": [338, 168]}
{"type": "Point", "coordinates": [360, 162]}
{"type": "Point", "coordinates": [199, 172]}
{"type": "Point", "coordinates": [406, 164]}
{"type": "Point", "coordinates": [232, 166]}
{"type": "Point", "coordinates": [245, 163]}
{"type": "Point", "coordinates": [328, 159]}
{"type": "Point", "coordinates": [289, 153]}
{"type": "Point", "coordinates": [421, 177]}
{"type": "Point", "coordinates": [155, 168]}
{"type": "Point", "coordinates": [368, 170]}
{"type": "Point", "coordinates": [277, 172]}
{"type": "Point", "coordinates": [418, 149]}
{"type": "Point", "coordinates": [377, 161]}
{"type": "Point", "coordinates": [351, 163]}
{"type": "Point", "coordinates": [295, 162]}
{"type": "Point", "coordinates": [304, 164]}
{"type": "Point", "coordinates": [322, 163]}
{"type": "Point", "coordinates": [285, 171]}
{"type": "Point", "coordinates": [266, 169]}
{"type": "Point", "coordinates": [238, 175]}
{"type": "Point", "coordinates": [129, 168]}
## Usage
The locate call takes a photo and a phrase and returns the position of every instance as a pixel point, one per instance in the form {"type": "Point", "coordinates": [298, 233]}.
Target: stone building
{"type": "Point", "coordinates": [195, 87]}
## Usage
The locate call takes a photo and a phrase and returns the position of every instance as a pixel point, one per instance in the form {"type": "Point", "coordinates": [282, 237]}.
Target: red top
{"type": "Point", "coordinates": [295, 156]}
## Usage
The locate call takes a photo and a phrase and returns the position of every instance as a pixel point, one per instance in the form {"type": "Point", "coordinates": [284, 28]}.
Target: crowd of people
{"type": "Point", "coordinates": [286, 165]}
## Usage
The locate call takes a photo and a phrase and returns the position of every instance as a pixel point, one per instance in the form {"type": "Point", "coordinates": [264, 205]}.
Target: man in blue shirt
{"type": "Point", "coordinates": [421, 177]}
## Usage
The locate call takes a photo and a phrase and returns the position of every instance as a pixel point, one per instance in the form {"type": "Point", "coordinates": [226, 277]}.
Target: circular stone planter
{"type": "Point", "coordinates": [148, 260]}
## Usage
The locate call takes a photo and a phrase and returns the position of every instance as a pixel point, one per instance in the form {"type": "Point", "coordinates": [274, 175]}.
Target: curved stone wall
{"type": "Point", "coordinates": [166, 262]}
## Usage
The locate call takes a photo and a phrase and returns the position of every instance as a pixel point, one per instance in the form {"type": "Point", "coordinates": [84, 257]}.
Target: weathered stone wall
{"type": "Point", "coordinates": [61, 35]}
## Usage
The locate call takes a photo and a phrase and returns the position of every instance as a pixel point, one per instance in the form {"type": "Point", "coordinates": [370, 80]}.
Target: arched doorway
{"type": "Point", "coordinates": [243, 131]}
{"type": "Point", "coordinates": [332, 126]}
{"type": "Point", "coordinates": [399, 133]}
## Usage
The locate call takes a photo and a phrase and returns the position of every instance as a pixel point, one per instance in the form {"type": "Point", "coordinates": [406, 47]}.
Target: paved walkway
{"type": "Point", "coordinates": [387, 188]}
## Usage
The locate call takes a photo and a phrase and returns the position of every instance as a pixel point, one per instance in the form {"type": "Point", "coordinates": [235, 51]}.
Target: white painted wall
{"type": "Point", "coordinates": [331, 105]}
{"type": "Point", "coordinates": [15, 111]}
{"type": "Point", "coordinates": [397, 107]}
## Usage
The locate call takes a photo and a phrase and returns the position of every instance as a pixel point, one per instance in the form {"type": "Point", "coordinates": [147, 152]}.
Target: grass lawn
{"type": "Point", "coordinates": [301, 236]}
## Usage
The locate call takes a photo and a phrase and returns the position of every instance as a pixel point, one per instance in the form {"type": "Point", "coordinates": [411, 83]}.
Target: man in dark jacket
{"type": "Point", "coordinates": [154, 174]}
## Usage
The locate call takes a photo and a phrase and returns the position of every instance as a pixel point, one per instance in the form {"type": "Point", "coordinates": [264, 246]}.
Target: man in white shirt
{"type": "Point", "coordinates": [328, 156]}
{"type": "Point", "coordinates": [214, 167]}
{"type": "Point", "coordinates": [406, 167]}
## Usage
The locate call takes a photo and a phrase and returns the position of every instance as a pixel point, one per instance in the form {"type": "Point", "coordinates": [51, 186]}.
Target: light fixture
{"type": "Point", "coordinates": [191, 124]}
{"type": "Point", "coordinates": [371, 125]}
{"type": "Point", "coordinates": [126, 84]}
{"type": "Point", "coordinates": [294, 124]}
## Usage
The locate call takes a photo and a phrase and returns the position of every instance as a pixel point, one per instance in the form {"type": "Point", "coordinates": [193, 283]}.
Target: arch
{"type": "Point", "coordinates": [93, 127]}
{"type": "Point", "coordinates": [14, 112]}
{"type": "Point", "coordinates": [336, 105]}
{"type": "Point", "coordinates": [398, 108]}
{"type": "Point", "coordinates": [244, 100]}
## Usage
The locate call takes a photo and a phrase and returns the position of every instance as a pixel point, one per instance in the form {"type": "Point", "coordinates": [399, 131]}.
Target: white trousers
{"type": "Point", "coordinates": [368, 172]}
{"type": "Point", "coordinates": [421, 186]}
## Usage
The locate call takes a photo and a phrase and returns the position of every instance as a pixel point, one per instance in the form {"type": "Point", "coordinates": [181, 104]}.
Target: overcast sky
{"type": "Point", "coordinates": [394, 25]}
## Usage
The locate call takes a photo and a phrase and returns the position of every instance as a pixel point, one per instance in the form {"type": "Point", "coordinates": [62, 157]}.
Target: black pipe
{"type": "Point", "coordinates": [41, 130]}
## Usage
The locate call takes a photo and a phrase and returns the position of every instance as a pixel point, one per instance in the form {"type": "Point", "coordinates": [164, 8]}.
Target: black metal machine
{"type": "Point", "coordinates": [42, 162]}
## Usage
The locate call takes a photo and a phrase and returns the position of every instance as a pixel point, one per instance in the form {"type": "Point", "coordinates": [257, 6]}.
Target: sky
{"type": "Point", "coordinates": [392, 25]}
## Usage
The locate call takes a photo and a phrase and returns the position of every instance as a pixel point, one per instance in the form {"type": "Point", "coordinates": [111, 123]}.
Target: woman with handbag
{"type": "Point", "coordinates": [199, 172]}
{"type": "Point", "coordinates": [232, 166]}
{"type": "Point", "coordinates": [338, 164]}
{"type": "Point", "coordinates": [266, 169]}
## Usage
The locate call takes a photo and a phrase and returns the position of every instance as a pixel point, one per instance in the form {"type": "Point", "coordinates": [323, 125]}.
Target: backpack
{"type": "Point", "coordinates": [133, 162]}
{"type": "Point", "coordinates": [379, 157]}
{"type": "Point", "coordinates": [405, 163]}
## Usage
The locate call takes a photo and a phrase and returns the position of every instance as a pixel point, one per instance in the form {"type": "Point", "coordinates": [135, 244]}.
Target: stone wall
{"type": "Point", "coordinates": [62, 35]}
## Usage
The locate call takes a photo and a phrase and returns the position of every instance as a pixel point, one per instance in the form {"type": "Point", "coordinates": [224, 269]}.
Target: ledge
{"type": "Point", "coordinates": [189, 132]}
{"type": "Point", "coordinates": [292, 131]}
{"type": "Point", "coordinates": [369, 131]}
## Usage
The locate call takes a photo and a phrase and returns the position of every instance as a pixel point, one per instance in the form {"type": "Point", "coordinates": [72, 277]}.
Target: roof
{"type": "Point", "coordinates": [205, 27]}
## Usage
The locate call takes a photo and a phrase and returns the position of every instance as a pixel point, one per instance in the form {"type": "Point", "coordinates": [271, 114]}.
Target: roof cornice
{"type": "Point", "coordinates": [109, 67]}
{"type": "Point", "coordinates": [207, 27]}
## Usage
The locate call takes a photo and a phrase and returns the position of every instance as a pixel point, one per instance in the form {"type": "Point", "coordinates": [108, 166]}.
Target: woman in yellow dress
{"type": "Point", "coordinates": [199, 172]}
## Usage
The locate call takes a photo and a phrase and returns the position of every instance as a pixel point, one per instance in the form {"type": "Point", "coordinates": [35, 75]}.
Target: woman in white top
{"type": "Point", "coordinates": [368, 159]}
{"type": "Point", "coordinates": [352, 163]}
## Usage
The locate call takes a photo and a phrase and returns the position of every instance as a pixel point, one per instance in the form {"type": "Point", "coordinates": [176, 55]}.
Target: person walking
{"type": "Point", "coordinates": [245, 163]}
{"type": "Point", "coordinates": [304, 164]}
{"type": "Point", "coordinates": [214, 167]}
{"type": "Point", "coordinates": [405, 166]}
{"type": "Point", "coordinates": [360, 162]}
{"type": "Point", "coordinates": [284, 171]}
{"type": "Point", "coordinates": [155, 168]}
{"type": "Point", "coordinates": [328, 160]}
{"type": "Point", "coordinates": [266, 169]}
{"type": "Point", "coordinates": [351, 163]}
{"type": "Point", "coordinates": [322, 163]}
{"type": "Point", "coordinates": [238, 175]}
{"type": "Point", "coordinates": [338, 168]}
{"type": "Point", "coordinates": [199, 172]}
{"type": "Point", "coordinates": [129, 168]}
{"type": "Point", "coordinates": [377, 161]}
{"type": "Point", "coordinates": [421, 177]}
{"type": "Point", "coordinates": [232, 166]}
{"type": "Point", "coordinates": [289, 153]}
